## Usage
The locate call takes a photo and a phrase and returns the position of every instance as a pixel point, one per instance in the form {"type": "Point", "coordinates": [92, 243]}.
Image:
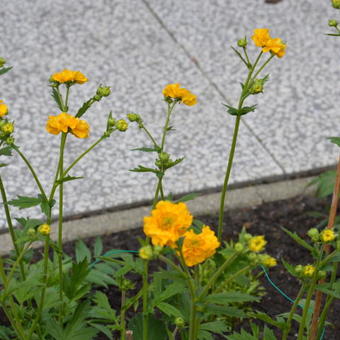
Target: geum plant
{"type": "Point", "coordinates": [49, 298]}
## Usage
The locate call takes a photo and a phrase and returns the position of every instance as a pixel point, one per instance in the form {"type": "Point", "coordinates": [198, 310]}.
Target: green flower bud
{"type": "Point", "coordinates": [134, 117]}
{"type": "Point", "coordinates": [336, 4]}
{"type": "Point", "coordinates": [122, 125]}
{"type": "Point", "coordinates": [2, 62]}
{"type": "Point", "coordinates": [146, 252]}
{"type": "Point", "coordinates": [126, 285]}
{"type": "Point", "coordinates": [111, 121]}
{"type": "Point", "coordinates": [157, 250]}
{"type": "Point", "coordinates": [7, 128]}
{"type": "Point", "coordinates": [31, 232]}
{"type": "Point", "coordinates": [332, 23]}
{"type": "Point", "coordinates": [314, 234]}
{"type": "Point", "coordinates": [10, 140]}
{"type": "Point", "coordinates": [103, 91]}
{"type": "Point", "coordinates": [247, 236]}
{"type": "Point", "coordinates": [179, 322]}
{"type": "Point", "coordinates": [242, 42]}
{"type": "Point", "coordinates": [252, 257]}
{"type": "Point", "coordinates": [298, 269]}
{"type": "Point", "coordinates": [238, 246]}
{"type": "Point", "coordinates": [322, 274]}
{"type": "Point", "coordinates": [257, 86]}
{"type": "Point", "coordinates": [164, 157]}
{"type": "Point", "coordinates": [97, 97]}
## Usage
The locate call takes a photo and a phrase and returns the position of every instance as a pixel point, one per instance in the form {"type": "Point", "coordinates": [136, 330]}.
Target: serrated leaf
{"type": "Point", "coordinates": [67, 179]}
{"type": "Point", "coordinates": [325, 183]}
{"type": "Point", "coordinates": [230, 297]}
{"type": "Point", "coordinates": [268, 334]}
{"type": "Point", "coordinates": [82, 252]}
{"type": "Point", "coordinates": [56, 97]}
{"type": "Point", "coordinates": [171, 290]}
{"type": "Point", "coordinates": [157, 329]}
{"type": "Point", "coordinates": [187, 198]}
{"type": "Point", "coordinates": [169, 310]}
{"type": "Point", "coordinates": [335, 140]}
{"type": "Point", "coordinates": [5, 70]}
{"type": "Point", "coordinates": [289, 267]}
{"type": "Point", "coordinates": [142, 168]}
{"type": "Point", "coordinates": [23, 202]}
{"type": "Point", "coordinates": [84, 108]}
{"type": "Point", "coordinates": [266, 318]}
{"type": "Point", "coordinates": [98, 247]}
{"type": "Point", "coordinates": [172, 164]}
{"type": "Point", "coordinates": [239, 112]}
{"type": "Point", "coordinates": [225, 310]}
{"type": "Point", "coordinates": [299, 240]}
{"type": "Point", "coordinates": [6, 151]}
{"type": "Point", "coordinates": [147, 149]}
{"type": "Point", "coordinates": [247, 109]}
{"type": "Point", "coordinates": [333, 34]}
{"type": "Point", "coordinates": [215, 327]}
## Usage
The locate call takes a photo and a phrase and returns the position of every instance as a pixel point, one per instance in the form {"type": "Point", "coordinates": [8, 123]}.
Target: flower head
{"type": "Point", "coordinates": [197, 248]}
{"type": "Point", "coordinates": [308, 270]}
{"type": "Point", "coordinates": [167, 223]}
{"type": "Point", "coordinates": [174, 91]}
{"type": "Point", "coordinates": [3, 108]}
{"type": "Point", "coordinates": [65, 122]}
{"type": "Point", "coordinates": [327, 235]}
{"type": "Point", "coordinates": [122, 125]}
{"type": "Point", "coordinates": [68, 77]}
{"type": "Point", "coordinates": [257, 243]}
{"type": "Point", "coordinates": [44, 229]}
{"type": "Point", "coordinates": [268, 260]}
{"type": "Point", "coordinates": [275, 46]}
{"type": "Point", "coordinates": [261, 36]}
{"type": "Point", "coordinates": [7, 128]}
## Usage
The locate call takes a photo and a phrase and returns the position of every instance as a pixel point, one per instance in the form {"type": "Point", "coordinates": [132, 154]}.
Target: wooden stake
{"type": "Point", "coordinates": [330, 225]}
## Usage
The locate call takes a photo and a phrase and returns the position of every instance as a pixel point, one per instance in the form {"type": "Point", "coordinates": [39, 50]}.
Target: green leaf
{"type": "Point", "coordinates": [289, 267]}
{"type": "Point", "coordinates": [300, 241]}
{"type": "Point", "coordinates": [230, 297]}
{"type": "Point", "coordinates": [242, 336]}
{"type": "Point", "coordinates": [266, 318]}
{"type": "Point", "coordinates": [56, 97]}
{"type": "Point", "coordinates": [103, 329]}
{"type": "Point", "coordinates": [147, 149]}
{"type": "Point", "coordinates": [172, 164]}
{"type": "Point", "coordinates": [142, 168]}
{"type": "Point", "coordinates": [215, 327]}
{"type": "Point", "coordinates": [225, 310]}
{"type": "Point", "coordinates": [187, 198]}
{"type": "Point", "coordinates": [82, 252]}
{"type": "Point", "coordinates": [98, 247]}
{"type": "Point", "coordinates": [4, 70]}
{"type": "Point", "coordinates": [3, 165]}
{"type": "Point", "coordinates": [23, 202]}
{"type": "Point", "coordinates": [335, 140]}
{"type": "Point", "coordinates": [268, 334]}
{"type": "Point", "coordinates": [325, 183]}
{"type": "Point", "coordinates": [236, 112]}
{"type": "Point", "coordinates": [205, 335]}
{"type": "Point", "coordinates": [157, 329]}
{"type": "Point", "coordinates": [84, 108]}
{"type": "Point", "coordinates": [171, 290]}
{"type": "Point", "coordinates": [169, 310]}
{"type": "Point", "coordinates": [67, 179]}
{"type": "Point", "coordinates": [6, 151]}
{"type": "Point", "coordinates": [247, 109]}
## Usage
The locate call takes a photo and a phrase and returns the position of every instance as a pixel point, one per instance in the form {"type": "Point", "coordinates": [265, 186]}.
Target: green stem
{"type": "Point", "coordinates": [66, 99]}
{"type": "Point", "coordinates": [150, 136]}
{"type": "Point", "coordinates": [263, 66]}
{"type": "Point", "coordinates": [122, 316]}
{"type": "Point", "coordinates": [172, 264]}
{"type": "Point", "coordinates": [43, 292]}
{"type": "Point", "coordinates": [220, 270]}
{"type": "Point", "coordinates": [247, 58]}
{"type": "Point", "coordinates": [35, 176]}
{"type": "Point", "coordinates": [167, 121]}
{"type": "Point", "coordinates": [155, 200]}
{"type": "Point", "coordinates": [310, 293]}
{"type": "Point", "coordinates": [145, 300]}
{"type": "Point", "coordinates": [10, 226]}
{"type": "Point", "coordinates": [292, 312]}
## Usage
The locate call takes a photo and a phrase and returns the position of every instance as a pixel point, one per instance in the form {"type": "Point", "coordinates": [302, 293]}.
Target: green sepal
{"type": "Point", "coordinates": [5, 70]}
{"type": "Point", "coordinates": [335, 140]}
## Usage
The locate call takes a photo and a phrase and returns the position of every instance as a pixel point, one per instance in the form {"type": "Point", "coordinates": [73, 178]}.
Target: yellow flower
{"type": "Point", "coordinates": [327, 235]}
{"type": "Point", "coordinates": [197, 248]}
{"type": "Point", "coordinates": [44, 229]}
{"type": "Point", "coordinates": [167, 223]}
{"type": "Point", "coordinates": [257, 243]}
{"type": "Point", "coordinates": [65, 122]}
{"type": "Point", "coordinates": [81, 129]}
{"type": "Point", "coordinates": [176, 92]}
{"type": "Point", "coordinates": [3, 108]}
{"type": "Point", "coordinates": [308, 270]}
{"type": "Point", "coordinates": [275, 46]}
{"type": "Point", "coordinates": [268, 261]}
{"type": "Point", "coordinates": [69, 76]}
{"type": "Point", "coordinates": [261, 36]}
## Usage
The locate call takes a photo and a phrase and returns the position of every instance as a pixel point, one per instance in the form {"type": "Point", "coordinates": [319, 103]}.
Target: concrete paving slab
{"type": "Point", "coordinates": [105, 224]}
{"type": "Point", "coordinates": [119, 43]}
{"type": "Point", "coordinates": [299, 108]}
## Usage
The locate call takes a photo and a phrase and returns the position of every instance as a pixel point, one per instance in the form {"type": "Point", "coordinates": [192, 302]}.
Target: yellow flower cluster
{"type": "Point", "coordinates": [167, 223]}
{"type": "Point", "coordinates": [176, 92]}
{"type": "Point", "coordinates": [3, 109]}
{"type": "Point", "coordinates": [69, 77]}
{"type": "Point", "coordinates": [308, 270]}
{"type": "Point", "coordinates": [197, 248]}
{"type": "Point", "coordinates": [65, 122]}
{"type": "Point", "coordinates": [257, 243]}
{"type": "Point", "coordinates": [327, 235]}
{"type": "Point", "coordinates": [262, 38]}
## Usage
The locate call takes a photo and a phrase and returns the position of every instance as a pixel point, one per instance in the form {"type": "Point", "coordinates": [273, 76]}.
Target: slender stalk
{"type": "Point", "coordinates": [172, 264]}
{"type": "Point", "coordinates": [66, 99]}
{"type": "Point", "coordinates": [150, 136]}
{"type": "Point", "coordinates": [10, 226]}
{"type": "Point", "coordinates": [264, 65]}
{"type": "Point", "coordinates": [155, 200]}
{"type": "Point", "coordinates": [167, 121]}
{"type": "Point", "coordinates": [35, 176]}
{"type": "Point", "coordinates": [122, 316]}
{"type": "Point", "coordinates": [292, 312]}
{"type": "Point", "coordinates": [145, 300]}
{"type": "Point", "coordinates": [192, 321]}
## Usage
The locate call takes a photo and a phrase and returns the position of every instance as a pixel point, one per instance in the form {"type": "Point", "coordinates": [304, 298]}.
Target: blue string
{"type": "Point", "coordinates": [112, 252]}
{"type": "Point", "coordinates": [285, 295]}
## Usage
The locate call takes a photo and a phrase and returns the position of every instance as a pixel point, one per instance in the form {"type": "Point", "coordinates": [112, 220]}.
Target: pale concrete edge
{"type": "Point", "coordinates": [105, 224]}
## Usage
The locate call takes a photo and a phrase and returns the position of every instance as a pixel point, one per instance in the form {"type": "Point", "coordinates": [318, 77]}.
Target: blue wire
{"type": "Point", "coordinates": [112, 252]}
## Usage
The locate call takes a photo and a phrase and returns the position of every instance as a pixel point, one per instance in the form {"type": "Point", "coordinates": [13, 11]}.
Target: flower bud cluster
{"type": "Point", "coordinates": [6, 127]}
{"type": "Point", "coordinates": [149, 252]}
{"type": "Point", "coordinates": [102, 91]}
{"type": "Point", "coordinates": [336, 4]}
{"type": "Point", "coordinates": [325, 236]}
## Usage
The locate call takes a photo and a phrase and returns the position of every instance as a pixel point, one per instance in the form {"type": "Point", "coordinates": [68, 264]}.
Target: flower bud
{"type": "Point", "coordinates": [97, 97]}
{"type": "Point", "coordinates": [252, 257]}
{"type": "Point", "coordinates": [322, 274]}
{"type": "Point", "coordinates": [257, 86]}
{"type": "Point", "coordinates": [7, 128]}
{"type": "Point", "coordinates": [242, 42]}
{"type": "Point", "coordinates": [332, 23]}
{"type": "Point", "coordinates": [10, 140]}
{"type": "Point", "coordinates": [103, 91]}
{"type": "Point", "coordinates": [111, 121]}
{"type": "Point", "coordinates": [247, 236]}
{"type": "Point", "coordinates": [238, 247]}
{"type": "Point", "coordinates": [327, 235]}
{"type": "Point", "coordinates": [44, 229]}
{"type": "Point", "coordinates": [134, 117]}
{"type": "Point", "coordinates": [2, 61]}
{"type": "Point", "coordinates": [126, 284]}
{"type": "Point", "coordinates": [146, 252]}
{"type": "Point", "coordinates": [122, 125]}
{"type": "Point", "coordinates": [164, 157]}
{"type": "Point", "coordinates": [179, 322]}
{"type": "Point", "coordinates": [157, 250]}
{"type": "Point", "coordinates": [313, 233]}
{"type": "Point", "coordinates": [31, 232]}
{"type": "Point", "coordinates": [298, 269]}
{"type": "Point", "coordinates": [336, 4]}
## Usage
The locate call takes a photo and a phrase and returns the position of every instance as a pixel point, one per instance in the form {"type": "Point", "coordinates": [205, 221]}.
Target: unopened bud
{"type": "Point", "coordinates": [134, 117]}
{"type": "Point", "coordinates": [238, 246]}
{"type": "Point", "coordinates": [103, 91]}
{"type": "Point", "coordinates": [247, 236]}
{"type": "Point", "coordinates": [336, 4]}
{"type": "Point", "coordinates": [157, 250]}
{"type": "Point", "coordinates": [179, 322]}
{"type": "Point", "coordinates": [322, 274]}
{"type": "Point", "coordinates": [10, 140]}
{"type": "Point", "coordinates": [31, 232]}
{"type": "Point", "coordinates": [314, 234]}
{"type": "Point", "coordinates": [2, 61]}
{"type": "Point", "coordinates": [164, 157]}
{"type": "Point", "coordinates": [257, 86]}
{"type": "Point", "coordinates": [44, 229]}
{"type": "Point", "coordinates": [332, 23]}
{"type": "Point", "coordinates": [146, 252]}
{"type": "Point", "coordinates": [242, 42]}
{"type": "Point", "coordinates": [7, 128]}
{"type": "Point", "coordinates": [298, 269]}
{"type": "Point", "coordinates": [122, 125]}
{"type": "Point", "coordinates": [97, 97]}
{"type": "Point", "coordinates": [111, 121]}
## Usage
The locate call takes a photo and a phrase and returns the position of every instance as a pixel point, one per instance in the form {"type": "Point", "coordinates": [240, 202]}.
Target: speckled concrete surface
{"type": "Point", "coordinates": [136, 47]}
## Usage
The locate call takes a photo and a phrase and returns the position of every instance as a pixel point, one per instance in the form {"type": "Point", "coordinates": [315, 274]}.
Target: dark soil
{"type": "Point", "coordinates": [267, 219]}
